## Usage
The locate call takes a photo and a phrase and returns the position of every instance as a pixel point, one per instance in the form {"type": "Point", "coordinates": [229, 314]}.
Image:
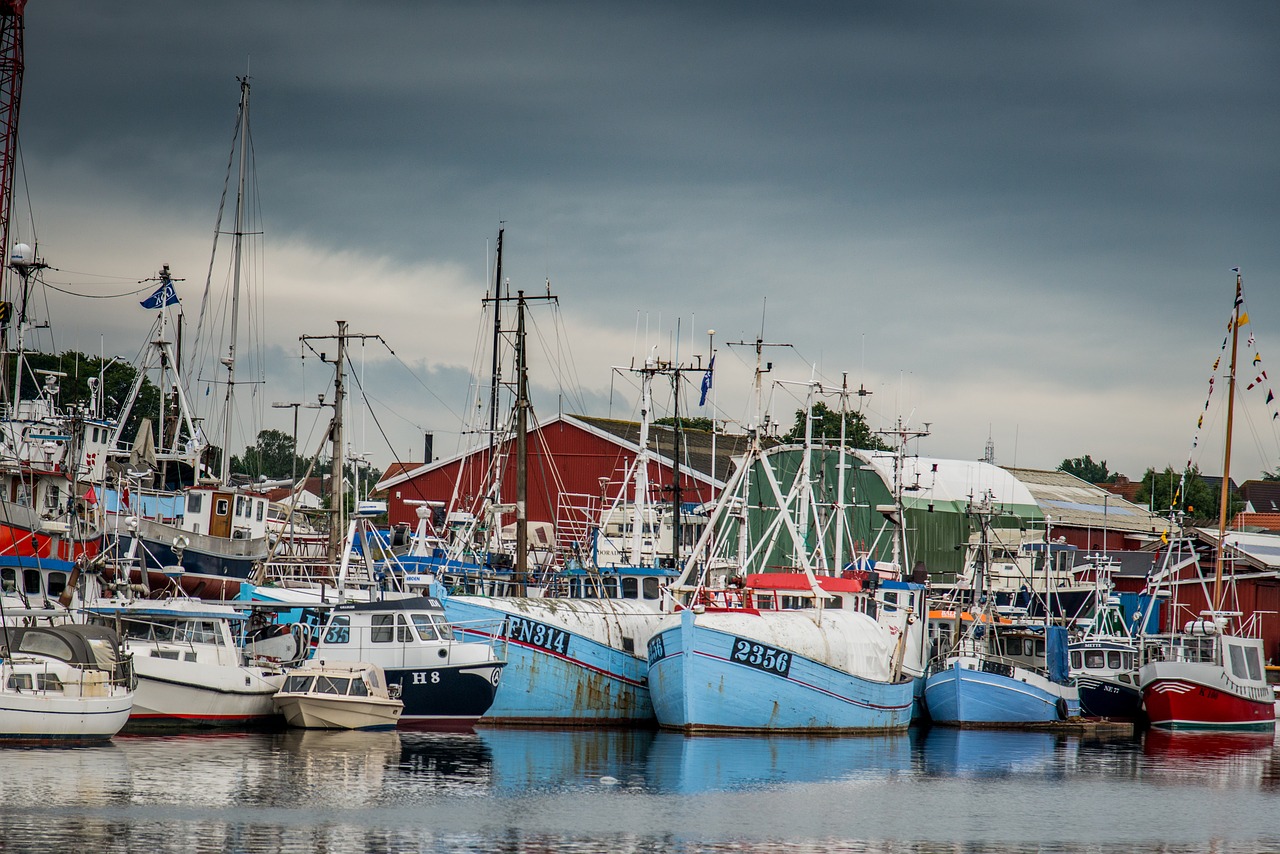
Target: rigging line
{"type": "Point", "coordinates": [132, 293]}
{"type": "Point", "coordinates": [217, 230]}
{"type": "Point", "coordinates": [372, 414]}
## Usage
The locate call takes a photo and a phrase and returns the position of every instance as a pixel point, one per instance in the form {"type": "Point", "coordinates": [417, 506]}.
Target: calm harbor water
{"type": "Point", "coordinates": [500, 790]}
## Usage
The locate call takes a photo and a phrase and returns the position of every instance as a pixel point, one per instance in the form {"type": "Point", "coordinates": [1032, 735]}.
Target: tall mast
{"type": "Point", "coordinates": [238, 239]}
{"type": "Point", "coordinates": [496, 368]}
{"type": "Point", "coordinates": [522, 449]}
{"type": "Point", "coordinates": [1226, 458]}
{"type": "Point", "coordinates": [11, 68]}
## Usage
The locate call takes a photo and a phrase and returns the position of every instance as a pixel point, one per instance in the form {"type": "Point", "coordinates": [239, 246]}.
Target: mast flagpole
{"type": "Point", "coordinates": [1226, 459]}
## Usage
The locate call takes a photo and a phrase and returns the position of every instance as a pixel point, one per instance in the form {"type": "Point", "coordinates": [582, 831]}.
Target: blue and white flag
{"type": "Point", "coordinates": [706, 381]}
{"type": "Point", "coordinates": [164, 295]}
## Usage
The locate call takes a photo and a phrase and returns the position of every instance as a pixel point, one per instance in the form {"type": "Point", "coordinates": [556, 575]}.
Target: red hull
{"type": "Point", "coordinates": [1182, 704]}
{"type": "Point", "coordinates": [16, 541]}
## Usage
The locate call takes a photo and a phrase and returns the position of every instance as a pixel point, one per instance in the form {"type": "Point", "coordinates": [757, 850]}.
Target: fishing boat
{"type": "Point", "coordinates": [1000, 670]}
{"type": "Point", "coordinates": [576, 646]}
{"type": "Point", "coordinates": [338, 695]}
{"type": "Point", "coordinates": [1104, 661]}
{"type": "Point", "coordinates": [189, 664]}
{"type": "Point", "coordinates": [67, 683]}
{"type": "Point", "coordinates": [1210, 674]}
{"type": "Point", "coordinates": [820, 646]}
{"type": "Point", "coordinates": [167, 506]}
{"type": "Point", "coordinates": [444, 682]}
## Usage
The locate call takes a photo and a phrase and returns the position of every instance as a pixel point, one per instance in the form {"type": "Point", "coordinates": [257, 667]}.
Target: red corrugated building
{"type": "Point", "coordinates": [574, 463]}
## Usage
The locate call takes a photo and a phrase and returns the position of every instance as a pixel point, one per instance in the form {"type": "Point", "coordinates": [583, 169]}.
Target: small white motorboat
{"type": "Point", "coordinates": [338, 695]}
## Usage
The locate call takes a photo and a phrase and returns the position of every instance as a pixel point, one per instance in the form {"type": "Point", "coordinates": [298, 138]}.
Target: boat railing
{"type": "Point", "coordinates": [492, 632]}
{"type": "Point", "coordinates": [305, 573]}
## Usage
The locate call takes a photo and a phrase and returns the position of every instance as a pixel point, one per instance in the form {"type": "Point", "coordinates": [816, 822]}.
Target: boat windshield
{"type": "Point", "coordinates": [332, 685]}
{"type": "Point", "coordinates": [298, 684]}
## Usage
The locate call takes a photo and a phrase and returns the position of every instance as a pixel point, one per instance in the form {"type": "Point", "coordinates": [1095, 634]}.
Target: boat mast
{"type": "Point", "coordinates": [495, 374]}
{"type": "Point", "coordinates": [522, 449]}
{"type": "Point", "coordinates": [1226, 459]}
{"type": "Point", "coordinates": [238, 239]}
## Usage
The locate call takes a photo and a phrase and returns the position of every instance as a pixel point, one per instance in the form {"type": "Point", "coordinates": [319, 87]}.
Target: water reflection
{"type": "Point", "coordinates": [538, 790]}
{"type": "Point", "coordinates": [692, 764]}
{"type": "Point", "coordinates": [947, 752]}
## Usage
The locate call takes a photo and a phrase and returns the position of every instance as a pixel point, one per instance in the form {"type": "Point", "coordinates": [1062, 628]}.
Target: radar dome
{"type": "Point", "coordinates": [21, 255]}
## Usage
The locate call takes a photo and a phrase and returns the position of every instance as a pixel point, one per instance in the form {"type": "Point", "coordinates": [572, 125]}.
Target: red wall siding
{"type": "Point", "coordinates": [579, 459]}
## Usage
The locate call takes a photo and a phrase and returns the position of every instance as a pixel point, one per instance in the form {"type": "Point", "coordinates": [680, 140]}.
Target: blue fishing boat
{"type": "Point", "coordinates": [569, 661]}
{"type": "Point", "coordinates": [815, 669]}
{"type": "Point", "coordinates": [999, 672]}
{"type": "Point", "coordinates": [816, 646]}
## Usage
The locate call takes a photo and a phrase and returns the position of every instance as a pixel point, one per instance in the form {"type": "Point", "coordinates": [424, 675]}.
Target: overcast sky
{"type": "Point", "coordinates": [1006, 219]}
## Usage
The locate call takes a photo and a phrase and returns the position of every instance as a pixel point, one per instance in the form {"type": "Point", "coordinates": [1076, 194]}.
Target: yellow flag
{"type": "Point", "coordinates": [1164, 537]}
{"type": "Point", "coordinates": [1244, 318]}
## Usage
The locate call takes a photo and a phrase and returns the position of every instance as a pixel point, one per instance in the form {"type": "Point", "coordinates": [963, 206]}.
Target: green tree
{"type": "Point", "coordinates": [1198, 500]}
{"type": "Point", "coordinates": [1086, 469]}
{"type": "Point", "coordinates": [826, 428]}
{"type": "Point", "coordinates": [273, 456]}
{"type": "Point", "coordinates": [73, 389]}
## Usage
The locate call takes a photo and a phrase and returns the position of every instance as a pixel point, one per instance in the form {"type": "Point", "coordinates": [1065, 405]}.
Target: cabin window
{"type": "Point", "coordinates": [381, 632]}
{"type": "Point", "coordinates": [403, 633]}
{"type": "Point", "coordinates": [1113, 659]}
{"type": "Point", "coordinates": [890, 597]}
{"type": "Point", "coordinates": [1077, 661]}
{"type": "Point", "coordinates": [1040, 647]}
{"type": "Point", "coordinates": [57, 583]}
{"type": "Point", "coordinates": [651, 588]}
{"type": "Point", "coordinates": [426, 630]}
{"type": "Point", "coordinates": [1094, 659]}
{"type": "Point", "coordinates": [222, 507]}
{"type": "Point", "coordinates": [9, 579]}
{"type": "Point", "coordinates": [31, 581]}
{"type": "Point", "coordinates": [193, 502]}
{"type": "Point", "coordinates": [48, 682]}
{"type": "Point", "coordinates": [835, 603]}
{"type": "Point", "coordinates": [358, 688]}
{"type": "Point", "coordinates": [19, 682]}
{"type": "Point", "coordinates": [1253, 659]}
{"type": "Point", "coordinates": [1238, 667]}
{"type": "Point", "coordinates": [338, 630]}
{"type": "Point", "coordinates": [261, 509]}
{"type": "Point", "coordinates": [630, 587]}
{"type": "Point", "coordinates": [298, 684]}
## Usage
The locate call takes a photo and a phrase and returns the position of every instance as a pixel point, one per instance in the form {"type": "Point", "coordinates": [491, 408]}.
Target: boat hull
{"type": "Point", "coordinates": [1102, 697]}
{"type": "Point", "coordinates": [41, 718]}
{"type": "Point", "coordinates": [556, 674]}
{"type": "Point", "coordinates": [1193, 695]}
{"type": "Point", "coordinates": [697, 685]}
{"type": "Point", "coordinates": [963, 694]}
{"type": "Point", "coordinates": [176, 693]}
{"type": "Point", "coordinates": [447, 696]}
{"type": "Point", "coordinates": [309, 711]}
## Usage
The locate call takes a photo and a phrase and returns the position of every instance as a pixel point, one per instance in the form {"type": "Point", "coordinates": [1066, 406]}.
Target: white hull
{"type": "Point", "coordinates": [309, 711]}
{"type": "Point", "coordinates": [177, 692]}
{"type": "Point", "coordinates": [40, 717]}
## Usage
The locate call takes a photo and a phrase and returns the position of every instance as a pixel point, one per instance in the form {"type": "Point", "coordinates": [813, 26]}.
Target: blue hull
{"type": "Point", "coordinates": [696, 686]}
{"type": "Point", "coordinates": [580, 681]}
{"type": "Point", "coordinates": [959, 695]}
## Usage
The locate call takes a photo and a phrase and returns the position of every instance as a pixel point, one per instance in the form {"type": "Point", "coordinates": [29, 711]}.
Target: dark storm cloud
{"type": "Point", "coordinates": [988, 192]}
